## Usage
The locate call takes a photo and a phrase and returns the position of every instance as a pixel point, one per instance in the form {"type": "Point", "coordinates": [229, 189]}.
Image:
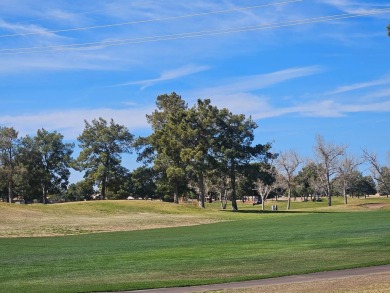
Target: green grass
{"type": "Point", "coordinates": [250, 245]}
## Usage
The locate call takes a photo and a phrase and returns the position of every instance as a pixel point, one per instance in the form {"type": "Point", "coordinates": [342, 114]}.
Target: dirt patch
{"type": "Point", "coordinates": [375, 206]}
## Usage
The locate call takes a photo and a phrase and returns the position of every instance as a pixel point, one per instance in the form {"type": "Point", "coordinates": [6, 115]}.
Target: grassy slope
{"type": "Point", "coordinates": [251, 245]}
{"type": "Point", "coordinates": [100, 216]}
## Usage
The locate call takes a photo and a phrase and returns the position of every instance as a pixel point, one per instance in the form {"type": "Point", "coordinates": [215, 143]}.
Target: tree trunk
{"type": "Point", "coordinates": [104, 186]}
{"type": "Point", "coordinates": [10, 176]}
{"type": "Point", "coordinates": [345, 192]}
{"type": "Point", "coordinates": [328, 191]}
{"type": "Point", "coordinates": [262, 203]}
{"type": "Point", "coordinates": [233, 186]}
{"type": "Point", "coordinates": [223, 200]}
{"type": "Point", "coordinates": [10, 195]}
{"type": "Point", "coordinates": [176, 193]}
{"type": "Point", "coordinates": [201, 190]}
{"type": "Point", "coordinates": [289, 198]}
{"type": "Point", "coordinates": [44, 194]}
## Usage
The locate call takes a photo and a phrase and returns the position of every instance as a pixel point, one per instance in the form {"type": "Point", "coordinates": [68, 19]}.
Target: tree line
{"type": "Point", "coordinates": [199, 152]}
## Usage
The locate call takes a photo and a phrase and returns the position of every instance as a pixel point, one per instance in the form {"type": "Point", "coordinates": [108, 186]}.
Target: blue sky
{"type": "Point", "coordinates": [299, 67]}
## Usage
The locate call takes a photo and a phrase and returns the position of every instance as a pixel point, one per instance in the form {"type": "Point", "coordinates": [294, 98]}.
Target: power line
{"type": "Point", "coordinates": [152, 20]}
{"type": "Point", "coordinates": [120, 42]}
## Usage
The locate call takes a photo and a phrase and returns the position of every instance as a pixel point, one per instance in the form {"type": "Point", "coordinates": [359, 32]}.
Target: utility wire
{"type": "Point", "coordinates": [152, 20]}
{"type": "Point", "coordinates": [91, 45]}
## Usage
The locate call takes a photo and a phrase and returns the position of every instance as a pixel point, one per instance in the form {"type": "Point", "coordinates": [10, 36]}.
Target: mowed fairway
{"type": "Point", "coordinates": [225, 246]}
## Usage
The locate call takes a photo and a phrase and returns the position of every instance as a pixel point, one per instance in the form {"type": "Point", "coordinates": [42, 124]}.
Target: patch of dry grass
{"type": "Point", "coordinates": [92, 217]}
{"type": "Point", "coordinates": [379, 283]}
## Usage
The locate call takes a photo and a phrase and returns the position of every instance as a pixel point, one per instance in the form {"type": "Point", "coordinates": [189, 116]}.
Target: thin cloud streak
{"type": "Point", "coordinates": [354, 6]}
{"type": "Point", "coordinates": [325, 109]}
{"type": "Point", "coordinates": [256, 82]}
{"type": "Point", "coordinates": [26, 29]}
{"type": "Point", "coordinates": [59, 62]}
{"type": "Point", "coordinates": [168, 75]}
{"type": "Point", "coordinates": [358, 86]}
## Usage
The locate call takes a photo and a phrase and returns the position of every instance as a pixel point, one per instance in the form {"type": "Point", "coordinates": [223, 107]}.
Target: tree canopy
{"type": "Point", "coordinates": [46, 161]}
{"type": "Point", "coordinates": [102, 145]}
{"type": "Point", "coordinates": [199, 152]}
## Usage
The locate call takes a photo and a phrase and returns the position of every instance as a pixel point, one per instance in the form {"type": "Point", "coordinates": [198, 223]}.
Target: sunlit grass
{"type": "Point", "coordinates": [253, 245]}
{"type": "Point", "coordinates": [107, 216]}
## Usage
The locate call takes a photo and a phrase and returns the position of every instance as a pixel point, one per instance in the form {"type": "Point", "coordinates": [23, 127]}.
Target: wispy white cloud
{"type": "Point", "coordinates": [66, 17]}
{"type": "Point", "coordinates": [260, 107]}
{"type": "Point", "coordinates": [353, 6]}
{"type": "Point", "coordinates": [324, 109]}
{"type": "Point", "coordinates": [17, 64]}
{"type": "Point", "coordinates": [168, 75]}
{"type": "Point", "coordinates": [383, 93]}
{"type": "Point", "coordinates": [256, 82]}
{"type": "Point", "coordinates": [358, 86]}
{"type": "Point", "coordinates": [237, 96]}
{"type": "Point", "coordinates": [245, 103]}
{"type": "Point", "coordinates": [15, 28]}
{"type": "Point", "coordinates": [71, 123]}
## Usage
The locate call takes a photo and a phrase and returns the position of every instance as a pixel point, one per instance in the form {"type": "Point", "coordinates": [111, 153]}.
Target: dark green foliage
{"type": "Point", "coordinates": [8, 152]}
{"type": "Point", "coordinates": [102, 145]}
{"type": "Point", "coordinates": [384, 181]}
{"type": "Point", "coordinates": [164, 145]}
{"type": "Point", "coordinates": [233, 149]}
{"type": "Point", "coordinates": [45, 161]}
{"type": "Point", "coordinates": [82, 190]}
{"type": "Point", "coordinates": [361, 185]}
{"type": "Point", "coordinates": [200, 130]}
{"type": "Point", "coordinates": [190, 145]}
{"type": "Point", "coordinates": [144, 182]}
{"type": "Point", "coordinates": [308, 181]}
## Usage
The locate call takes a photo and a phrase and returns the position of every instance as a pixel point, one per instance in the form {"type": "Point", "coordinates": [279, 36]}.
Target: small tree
{"type": "Point", "coordinates": [267, 181]}
{"type": "Point", "coordinates": [361, 185]}
{"type": "Point", "coordinates": [287, 164]}
{"type": "Point", "coordinates": [219, 183]}
{"type": "Point", "coordinates": [144, 182]}
{"type": "Point", "coordinates": [80, 190]}
{"type": "Point", "coordinates": [345, 170]}
{"type": "Point", "coordinates": [307, 180]}
{"type": "Point", "coordinates": [328, 155]}
{"type": "Point", "coordinates": [8, 150]}
{"type": "Point", "coordinates": [381, 174]}
{"type": "Point", "coordinates": [384, 182]}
